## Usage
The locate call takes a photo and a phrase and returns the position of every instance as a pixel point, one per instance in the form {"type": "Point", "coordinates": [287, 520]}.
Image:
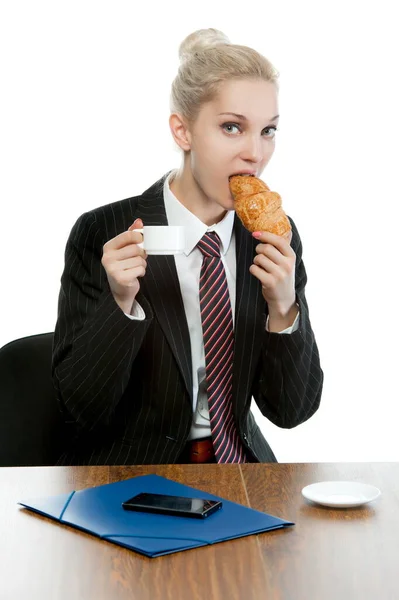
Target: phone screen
{"type": "Point", "coordinates": [172, 504]}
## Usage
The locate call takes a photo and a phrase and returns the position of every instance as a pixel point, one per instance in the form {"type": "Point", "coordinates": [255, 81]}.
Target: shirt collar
{"type": "Point", "coordinates": [177, 214]}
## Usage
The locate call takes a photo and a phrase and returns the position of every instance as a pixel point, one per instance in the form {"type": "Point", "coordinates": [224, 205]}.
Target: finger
{"type": "Point", "coordinates": [116, 268]}
{"type": "Point", "coordinates": [129, 251]}
{"type": "Point", "coordinates": [123, 239]}
{"type": "Point", "coordinates": [132, 263]}
{"type": "Point", "coordinates": [111, 257]}
{"type": "Point", "coordinates": [268, 265]}
{"type": "Point", "coordinates": [129, 276]}
{"type": "Point", "coordinates": [278, 241]}
{"type": "Point", "coordinates": [271, 252]}
{"type": "Point", "coordinates": [127, 237]}
{"type": "Point", "coordinates": [137, 224]}
{"type": "Point", "coordinates": [265, 278]}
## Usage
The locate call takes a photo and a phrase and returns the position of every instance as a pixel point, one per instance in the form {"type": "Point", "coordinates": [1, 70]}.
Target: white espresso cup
{"type": "Point", "coordinates": [163, 239]}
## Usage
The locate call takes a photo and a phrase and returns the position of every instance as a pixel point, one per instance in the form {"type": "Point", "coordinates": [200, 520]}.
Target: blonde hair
{"type": "Point", "coordinates": [207, 59]}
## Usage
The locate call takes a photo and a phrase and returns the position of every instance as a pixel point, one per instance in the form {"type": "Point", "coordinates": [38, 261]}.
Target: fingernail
{"type": "Point", "coordinates": [257, 234]}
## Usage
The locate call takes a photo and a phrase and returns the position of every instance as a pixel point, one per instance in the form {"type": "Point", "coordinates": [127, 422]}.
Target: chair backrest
{"type": "Point", "coordinates": [32, 431]}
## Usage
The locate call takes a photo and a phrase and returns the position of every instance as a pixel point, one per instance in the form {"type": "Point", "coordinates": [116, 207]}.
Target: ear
{"type": "Point", "coordinates": [180, 131]}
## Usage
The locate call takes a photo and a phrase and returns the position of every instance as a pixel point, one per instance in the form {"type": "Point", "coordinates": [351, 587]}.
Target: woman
{"type": "Point", "coordinates": [154, 361]}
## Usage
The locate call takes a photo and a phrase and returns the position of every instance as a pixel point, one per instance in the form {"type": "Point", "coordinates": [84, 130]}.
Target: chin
{"type": "Point", "coordinates": [226, 203]}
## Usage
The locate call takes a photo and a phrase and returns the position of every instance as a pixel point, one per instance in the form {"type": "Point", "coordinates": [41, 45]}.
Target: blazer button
{"type": "Point", "coordinates": [246, 440]}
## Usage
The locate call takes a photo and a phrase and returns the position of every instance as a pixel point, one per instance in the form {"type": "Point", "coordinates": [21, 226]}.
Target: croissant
{"type": "Point", "coordinates": [258, 208]}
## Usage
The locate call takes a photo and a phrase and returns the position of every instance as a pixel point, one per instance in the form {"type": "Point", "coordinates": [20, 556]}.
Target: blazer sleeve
{"type": "Point", "coordinates": [95, 344]}
{"type": "Point", "coordinates": [289, 382]}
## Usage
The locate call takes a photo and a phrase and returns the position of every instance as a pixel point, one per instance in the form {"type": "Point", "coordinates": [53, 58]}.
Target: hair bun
{"type": "Point", "coordinates": [200, 40]}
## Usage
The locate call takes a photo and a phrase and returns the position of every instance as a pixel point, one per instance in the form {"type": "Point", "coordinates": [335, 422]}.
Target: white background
{"type": "Point", "coordinates": [84, 122]}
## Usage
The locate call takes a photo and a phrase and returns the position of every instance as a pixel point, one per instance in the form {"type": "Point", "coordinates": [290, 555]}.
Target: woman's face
{"type": "Point", "coordinates": [240, 140]}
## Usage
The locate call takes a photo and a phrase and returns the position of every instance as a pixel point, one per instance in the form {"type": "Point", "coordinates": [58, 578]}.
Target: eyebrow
{"type": "Point", "coordinates": [243, 117]}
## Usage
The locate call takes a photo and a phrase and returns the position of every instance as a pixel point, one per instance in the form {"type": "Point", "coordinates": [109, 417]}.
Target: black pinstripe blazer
{"type": "Point", "coordinates": [125, 387]}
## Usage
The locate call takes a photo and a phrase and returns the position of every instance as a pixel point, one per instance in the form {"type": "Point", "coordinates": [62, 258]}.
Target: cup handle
{"type": "Point", "coordinates": [141, 245]}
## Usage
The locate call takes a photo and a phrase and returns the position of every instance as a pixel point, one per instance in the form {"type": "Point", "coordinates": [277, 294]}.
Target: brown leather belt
{"type": "Point", "coordinates": [198, 451]}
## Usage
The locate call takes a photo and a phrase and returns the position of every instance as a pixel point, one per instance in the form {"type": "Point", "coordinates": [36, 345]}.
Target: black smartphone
{"type": "Point", "coordinates": [178, 506]}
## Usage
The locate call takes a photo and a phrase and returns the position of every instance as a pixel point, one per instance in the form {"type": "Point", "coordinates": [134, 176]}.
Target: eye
{"type": "Point", "coordinates": [225, 125]}
{"type": "Point", "coordinates": [271, 128]}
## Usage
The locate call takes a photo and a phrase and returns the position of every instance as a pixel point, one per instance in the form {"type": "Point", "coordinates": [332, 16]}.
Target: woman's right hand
{"type": "Point", "coordinates": [124, 262]}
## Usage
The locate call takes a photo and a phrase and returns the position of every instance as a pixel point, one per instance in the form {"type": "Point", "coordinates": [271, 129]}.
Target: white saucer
{"type": "Point", "coordinates": [341, 494]}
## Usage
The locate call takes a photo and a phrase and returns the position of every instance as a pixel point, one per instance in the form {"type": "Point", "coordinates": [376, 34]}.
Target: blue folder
{"type": "Point", "coordinates": [99, 511]}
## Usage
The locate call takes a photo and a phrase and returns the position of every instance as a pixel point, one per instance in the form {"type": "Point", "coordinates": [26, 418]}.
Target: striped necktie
{"type": "Point", "coordinates": [218, 335]}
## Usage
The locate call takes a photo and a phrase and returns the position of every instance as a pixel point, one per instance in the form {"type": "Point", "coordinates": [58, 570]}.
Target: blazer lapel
{"type": "Point", "coordinates": [161, 286]}
{"type": "Point", "coordinates": [250, 319]}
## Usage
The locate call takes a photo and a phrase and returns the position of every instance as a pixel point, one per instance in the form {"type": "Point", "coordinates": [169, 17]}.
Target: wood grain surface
{"type": "Point", "coordinates": [329, 554]}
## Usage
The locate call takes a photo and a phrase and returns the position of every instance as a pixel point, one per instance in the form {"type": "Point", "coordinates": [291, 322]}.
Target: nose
{"type": "Point", "coordinates": [252, 149]}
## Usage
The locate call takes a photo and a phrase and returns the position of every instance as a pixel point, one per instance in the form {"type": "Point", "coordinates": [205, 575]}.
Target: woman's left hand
{"type": "Point", "coordinates": [274, 266]}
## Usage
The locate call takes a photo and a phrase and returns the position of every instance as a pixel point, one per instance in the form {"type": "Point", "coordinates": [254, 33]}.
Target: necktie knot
{"type": "Point", "coordinates": [209, 244]}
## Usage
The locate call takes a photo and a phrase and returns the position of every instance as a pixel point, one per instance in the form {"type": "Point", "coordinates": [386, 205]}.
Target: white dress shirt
{"type": "Point", "coordinates": [188, 266]}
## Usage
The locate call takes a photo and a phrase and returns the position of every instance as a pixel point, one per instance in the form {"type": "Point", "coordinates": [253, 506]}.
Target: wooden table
{"type": "Point", "coordinates": [345, 554]}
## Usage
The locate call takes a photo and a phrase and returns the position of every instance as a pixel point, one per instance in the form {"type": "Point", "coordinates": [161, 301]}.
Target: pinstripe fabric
{"type": "Point", "coordinates": [218, 335]}
{"type": "Point", "coordinates": [125, 387]}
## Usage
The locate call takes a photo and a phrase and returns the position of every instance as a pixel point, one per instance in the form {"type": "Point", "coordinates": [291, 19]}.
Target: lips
{"type": "Point", "coordinates": [241, 175]}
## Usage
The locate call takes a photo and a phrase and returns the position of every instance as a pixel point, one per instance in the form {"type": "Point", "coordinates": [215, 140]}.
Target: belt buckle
{"type": "Point", "coordinates": [201, 451]}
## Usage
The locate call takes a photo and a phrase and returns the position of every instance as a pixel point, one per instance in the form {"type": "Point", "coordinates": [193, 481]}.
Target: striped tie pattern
{"type": "Point", "coordinates": [218, 335]}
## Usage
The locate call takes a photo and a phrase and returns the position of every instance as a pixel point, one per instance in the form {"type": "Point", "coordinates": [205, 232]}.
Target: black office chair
{"type": "Point", "coordinates": [32, 431]}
